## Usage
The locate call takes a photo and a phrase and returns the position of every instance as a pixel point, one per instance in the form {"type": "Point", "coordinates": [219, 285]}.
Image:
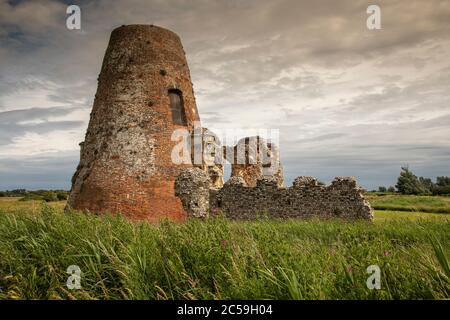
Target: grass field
{"type": "Point", "coordinates": [436, 204]}
{"type": "Point", "coordinates": [220, 259]}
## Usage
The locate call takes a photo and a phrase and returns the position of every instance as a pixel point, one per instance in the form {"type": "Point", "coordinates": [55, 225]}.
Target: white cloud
{"type": "Point", "coordinates": [34, 144]}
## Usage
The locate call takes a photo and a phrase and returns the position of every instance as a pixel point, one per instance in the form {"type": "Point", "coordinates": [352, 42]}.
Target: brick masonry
{"type": "Point", "coordinates": [125, 163]}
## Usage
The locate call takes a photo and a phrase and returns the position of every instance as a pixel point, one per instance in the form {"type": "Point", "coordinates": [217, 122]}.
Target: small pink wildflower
{"type": "Point", "coordinates": [223, 243]}
{"type": "Point", "coordinates": [349, 269]}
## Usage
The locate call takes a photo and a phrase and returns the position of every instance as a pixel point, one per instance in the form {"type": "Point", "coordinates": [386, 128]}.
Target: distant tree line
{"type": "Point", "coordinates": [409, 183]}
{"type": "Point", "coordinates": [45, 195]}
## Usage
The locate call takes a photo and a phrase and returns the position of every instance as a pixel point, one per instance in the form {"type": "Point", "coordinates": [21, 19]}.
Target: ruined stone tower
{"type": "Point", "coordinates": [144, 93]}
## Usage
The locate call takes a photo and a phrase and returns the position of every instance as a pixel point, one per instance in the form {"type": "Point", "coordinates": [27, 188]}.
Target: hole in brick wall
{"type": "Point", "coordinates": [177, 107]}
{"type": "Point", "coordinates": [337, 212]}
{"type": "Point", "coordinates": [194, 205]}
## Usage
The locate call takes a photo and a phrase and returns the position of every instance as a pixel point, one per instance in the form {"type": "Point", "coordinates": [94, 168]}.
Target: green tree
{"type": "Point", "coordinates": [391, 189]}
{"type": "Point", "coordinates": [408, 183]}
{"type": "Point", "coordinates": [427, 184]}
{"type": "Point", "coordinates": [61, 196]}
{"type": "Point", "coordinates": [382, 189]}
{"type": "Point", "coordinates": [49, 196]}
{"type": "Point", "coordinates": [442, 185]}
{"type": "Point", "coordinates": [443, 181]}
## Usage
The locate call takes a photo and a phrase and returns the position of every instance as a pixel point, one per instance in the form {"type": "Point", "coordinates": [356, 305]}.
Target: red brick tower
{"type": "Point", "coordinates": [144, 93]}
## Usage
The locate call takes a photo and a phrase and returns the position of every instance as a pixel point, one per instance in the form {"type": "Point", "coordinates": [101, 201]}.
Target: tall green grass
{"type": "Point", "coordinates": [218, 259]}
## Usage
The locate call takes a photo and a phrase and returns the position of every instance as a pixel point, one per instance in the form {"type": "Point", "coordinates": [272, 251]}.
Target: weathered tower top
{"type": "Point", "coordinates": [144, 93]}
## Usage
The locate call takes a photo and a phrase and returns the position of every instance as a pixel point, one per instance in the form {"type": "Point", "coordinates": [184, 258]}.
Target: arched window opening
{"type": "Point", "coordinates": [177, 107]}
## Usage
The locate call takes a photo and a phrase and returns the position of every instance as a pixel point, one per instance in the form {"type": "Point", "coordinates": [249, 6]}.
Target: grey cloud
{"type": "Point", "coordinates": [38, 172]}
{"type": "Point", "coordinates": [16, 123]}
{"type": "Point", "coordinates": [15, 116]}
{"type": "Point", "coordinates": [323, 137]}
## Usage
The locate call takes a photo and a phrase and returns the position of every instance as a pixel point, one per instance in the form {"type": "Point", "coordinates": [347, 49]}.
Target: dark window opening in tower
{"type": "Point", "coordinates": [177, 107]}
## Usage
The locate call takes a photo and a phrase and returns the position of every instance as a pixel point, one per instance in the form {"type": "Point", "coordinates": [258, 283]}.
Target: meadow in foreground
{"type": "Point", "coordinates": [219, 259]}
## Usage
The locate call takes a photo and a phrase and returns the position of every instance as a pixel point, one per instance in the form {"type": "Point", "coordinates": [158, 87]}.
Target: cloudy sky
{"type": "Point", "coordinates": [347, 100]}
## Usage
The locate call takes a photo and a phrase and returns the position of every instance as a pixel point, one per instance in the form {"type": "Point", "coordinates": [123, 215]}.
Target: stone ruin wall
{"type": "Point", "coordinates": [260, 159]}
{"type": "Point", "coordinates": [193, 187]}
{"type": "Point", "coordinates": [210, 155]}
{"type": "Point", "coordinates": [305, 198]}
